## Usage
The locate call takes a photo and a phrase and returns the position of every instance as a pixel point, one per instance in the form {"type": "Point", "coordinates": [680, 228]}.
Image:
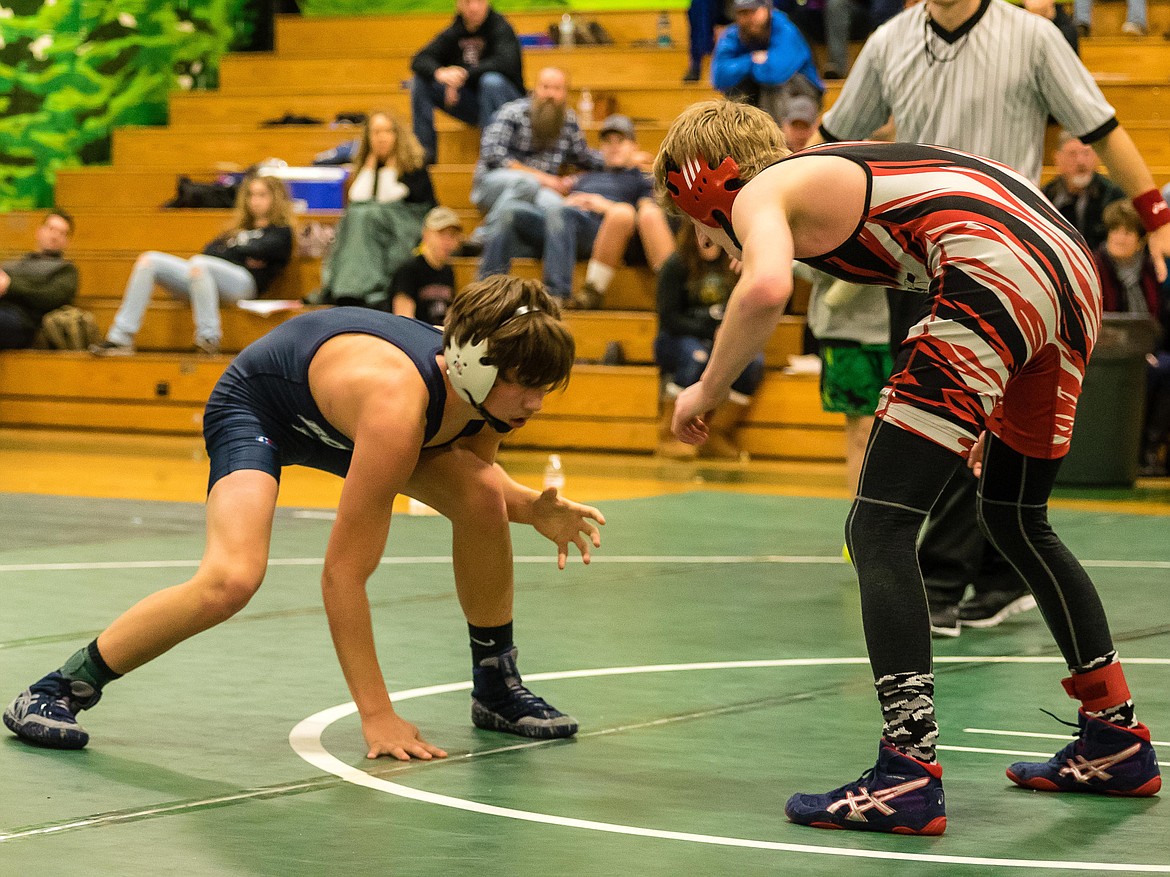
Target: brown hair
{"type": "Point", "coordinates": [408, 152]}
{"type": "Point", "coordinates": [60, 214]}
{"type": "Point", "coordinates": [713, 130]}
{"type": "Point", "coordinates": [1122, 214]}
{"type": "Point", "coordinates": [534, 349]}
{"type": "Point", "coordinates": [280, 213]}
{"type": "Point", "coordinates": [687, 243]}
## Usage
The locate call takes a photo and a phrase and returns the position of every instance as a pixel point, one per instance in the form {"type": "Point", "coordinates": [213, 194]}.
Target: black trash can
{"type": "Point", "coordinates": [1107, 436]}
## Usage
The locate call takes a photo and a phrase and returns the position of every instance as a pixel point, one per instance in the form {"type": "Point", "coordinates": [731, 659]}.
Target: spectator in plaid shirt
{"type": "Point", "coordinates": [524, 149]}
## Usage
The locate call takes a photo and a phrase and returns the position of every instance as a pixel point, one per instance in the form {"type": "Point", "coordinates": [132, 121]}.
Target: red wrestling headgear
{"type": "Point", "coordinates": [703, 192]}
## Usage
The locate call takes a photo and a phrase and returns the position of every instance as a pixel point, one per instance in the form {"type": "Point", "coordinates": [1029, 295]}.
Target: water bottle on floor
{"type": "Point", "coordinates": [554, 473]}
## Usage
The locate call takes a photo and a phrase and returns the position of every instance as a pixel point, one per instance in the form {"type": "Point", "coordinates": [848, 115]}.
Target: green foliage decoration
{"type": "Point", "coordinates": [72, 70]}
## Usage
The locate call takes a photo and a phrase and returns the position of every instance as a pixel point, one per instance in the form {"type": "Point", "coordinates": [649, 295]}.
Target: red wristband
{"type": "Point", "coordinates": [1152, 209]}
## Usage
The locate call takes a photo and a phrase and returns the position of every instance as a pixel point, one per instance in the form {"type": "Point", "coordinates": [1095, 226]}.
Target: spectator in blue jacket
{"type": "Point", "coordinates": [469, 70]}
{"type": "Point", "coordinates": [763, 60]}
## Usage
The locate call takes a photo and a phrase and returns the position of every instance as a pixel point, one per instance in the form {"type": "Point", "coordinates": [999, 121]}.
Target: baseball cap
{"type": "Point", "coordinates": [801, 109]}
{"type": "Point", "coordinates": [620, 124]}
{"type": "Point", "coordinates": [442, 217]}
{"type": "Point", "coordinates": [749, 5]}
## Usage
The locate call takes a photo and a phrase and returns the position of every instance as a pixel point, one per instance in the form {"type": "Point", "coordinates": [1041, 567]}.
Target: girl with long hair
{"type": "Point", "coordinates": [389, 164]}
{"type": "Point", "coordinates": [240, 263]}
{"type": "Point", "coordinates": [389, 194]}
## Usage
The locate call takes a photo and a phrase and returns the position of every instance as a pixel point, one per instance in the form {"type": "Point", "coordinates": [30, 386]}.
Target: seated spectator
{"type": "Point", "coordinates": [596, 220]}
{"type": "Point", "coordinates": [241, 263]}
{"type": "Point", "coordinates": [1129, 284]}
{"type": "Point", "coordinates": [389, 194]}
{"type": "Point", "coordinates": [523, 152]}
{"type": "Point", "coordinates": [388, 166]}
{"type": "Point", "coordinates": [1078, 191]}
{"type": "Point", "coordinates": [469, 71]}
{"type": "Point", "coordinates": [37, 282]}
{"type": "Point", "coordinates": [800, 121]}
{"type": "Point", "coordinates": [693, 287]}
{"type": "Point", "coordinates": [424, 286]}
{"type": "Point", "coordinates": [764, 60]}
{"type": "Point", "coordinates": [1135, 17]}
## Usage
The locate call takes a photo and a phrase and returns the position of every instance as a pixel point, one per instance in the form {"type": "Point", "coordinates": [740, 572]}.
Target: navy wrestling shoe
{"type": "Point", "coordinates": [899, 794]}
{"type": "Point", "coordinates": [1105, 758]}
{"type": "Point", "coordinates": [44, 714]}
{"type": "Point", "coordinates": [500, 702]}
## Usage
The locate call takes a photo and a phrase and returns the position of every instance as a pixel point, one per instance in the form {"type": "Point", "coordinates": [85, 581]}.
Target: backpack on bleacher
{"type": "Point", "coordinates": [192, 195]}
{"type": "Point", "coordinates": [69, 328]}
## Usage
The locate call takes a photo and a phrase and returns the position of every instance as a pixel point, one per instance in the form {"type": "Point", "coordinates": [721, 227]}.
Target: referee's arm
{"type": "Point", "coordinates": [1128, 169]}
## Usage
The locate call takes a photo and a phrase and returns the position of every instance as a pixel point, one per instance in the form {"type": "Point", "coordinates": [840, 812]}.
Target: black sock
{"type": "Point", "coordinates": [88, 665]}
{"type": "Point", "coordinates": [487, 642]}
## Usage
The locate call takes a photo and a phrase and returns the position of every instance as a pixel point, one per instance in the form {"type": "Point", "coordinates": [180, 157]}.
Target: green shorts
{"type": "Point", "coordinates": [852, 376]}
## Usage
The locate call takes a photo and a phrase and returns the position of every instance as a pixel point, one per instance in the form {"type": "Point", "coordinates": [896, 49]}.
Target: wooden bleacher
{"type": "Point", "coordinates": [118, 212]}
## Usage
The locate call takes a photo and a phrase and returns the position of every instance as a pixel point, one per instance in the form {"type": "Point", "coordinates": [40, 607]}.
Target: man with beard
{"type": "Point", "coordinates": [469, 70]}
{"type": "Point", "coordinates": [599, 220]}
{"type": "Point", "coordinates": [523, 152]}
{"type": "Point", "coordinates": [763, 60]}
{"type": "Point", "coordinates": [1079, 192]}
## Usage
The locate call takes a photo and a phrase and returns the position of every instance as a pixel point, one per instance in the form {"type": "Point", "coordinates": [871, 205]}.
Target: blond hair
{"type": "Point", "coordinates": [408, 152]}
{"type": "Point", "coordinates": [534, 348]}
{"type": "Point", "coordinates": [713, 130]}
{"type": "Point", "coordinates": [280, 213]}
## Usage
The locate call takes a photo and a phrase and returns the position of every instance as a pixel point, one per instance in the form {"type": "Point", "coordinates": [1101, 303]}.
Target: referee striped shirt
{"type": "Point", "coordinates": [987, 88]}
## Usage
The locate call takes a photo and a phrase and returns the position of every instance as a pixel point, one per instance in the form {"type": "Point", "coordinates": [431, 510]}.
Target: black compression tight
{"type": "Point", "coordinates": [902, 477]}
{"type": "Point", "coordinates": [1013, 512]}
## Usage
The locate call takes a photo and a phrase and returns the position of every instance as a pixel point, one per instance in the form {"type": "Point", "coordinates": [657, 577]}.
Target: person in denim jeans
{"type": "Point", "coordinates": [595, 221]}
{"type": "Point", "coordinates": [239, 264]}
{"type": "Point", "coordinates": [524, 150]}
{"type": "Point", "coordinates": [469, 71]}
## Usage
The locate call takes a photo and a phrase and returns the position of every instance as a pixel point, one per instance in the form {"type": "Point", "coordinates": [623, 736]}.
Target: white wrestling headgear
{"type": "Point", "coordinates": [470, 374]}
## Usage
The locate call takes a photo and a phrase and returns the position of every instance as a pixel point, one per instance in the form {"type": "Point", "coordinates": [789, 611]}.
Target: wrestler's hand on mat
{"type": "Point", "coordinates": [975, 455]}
{"type": "Point", "coordinates": [562, 521]}
{"type": "Point", "coordinates": [389, 734]}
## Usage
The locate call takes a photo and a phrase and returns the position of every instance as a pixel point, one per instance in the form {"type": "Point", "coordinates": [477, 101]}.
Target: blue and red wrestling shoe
{"type": "Point", "coordinates": [899, 794]}
{"type": "Point", "coordinates": [1105, 758]}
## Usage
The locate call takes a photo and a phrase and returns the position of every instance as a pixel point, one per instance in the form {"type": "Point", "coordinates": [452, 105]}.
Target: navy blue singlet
{"type": "Point", "coordinates": [261, 414]}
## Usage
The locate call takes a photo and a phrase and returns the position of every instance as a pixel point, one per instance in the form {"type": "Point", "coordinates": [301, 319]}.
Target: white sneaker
{"type": "Point", "coordinates": [1133, 29]}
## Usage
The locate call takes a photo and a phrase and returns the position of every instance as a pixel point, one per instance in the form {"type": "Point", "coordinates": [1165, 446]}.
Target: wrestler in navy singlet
{"type": "Point", "coordinates": [262, 415]}
{"type": "Point", "coordinates": [1016, 299]}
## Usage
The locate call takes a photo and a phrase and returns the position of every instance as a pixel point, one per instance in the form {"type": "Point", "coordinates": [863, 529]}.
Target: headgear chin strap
{"type": "Point", "coordinates": [473, 376]}
{"type": "Point", "coordinates": [706, 193]}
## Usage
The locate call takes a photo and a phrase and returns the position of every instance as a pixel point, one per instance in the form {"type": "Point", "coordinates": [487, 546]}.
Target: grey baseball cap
{"type": "Point", "coordinates": [618, 124]}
